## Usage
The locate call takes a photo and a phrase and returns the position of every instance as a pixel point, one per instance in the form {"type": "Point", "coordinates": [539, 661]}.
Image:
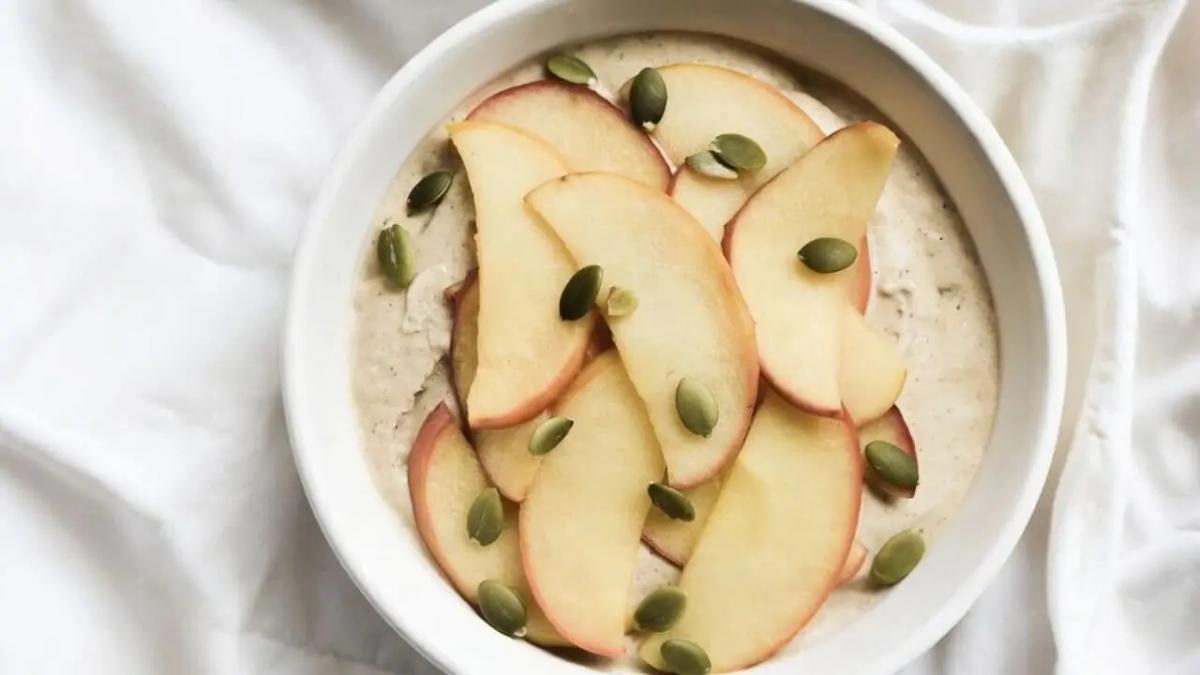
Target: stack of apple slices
{"type": "Point", "coordinates": [563, 182]}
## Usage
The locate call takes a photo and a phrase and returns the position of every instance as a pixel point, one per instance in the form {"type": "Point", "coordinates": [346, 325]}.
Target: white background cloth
{"type": "Point", "coordinates": [156, 163]}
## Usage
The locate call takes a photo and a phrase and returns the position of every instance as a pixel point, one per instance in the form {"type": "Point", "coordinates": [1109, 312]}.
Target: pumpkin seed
{"type": "Point", "coordinates": [828, 254]}
{"type": "Point", "coordinates": [580, 293]}
{"type": "Point", "coordinates": [660, 610]}
{"type": "Point", "coordinates": [892, 464]}
{"type": "Point", "coordinates": [696, 406]}
{"type": "Point", "coordinates": [672, 502]}
{"type": "Point", "coordinates": [897, 558]}
{"type": "Point", "coordinates": [485, 519]}
{"type": "Point", "coordinates": [570, 69]}
{"type": "Point", "coordinates": [396, 256]}
{"type": "Point", "coordinates": [648, 98]}
{"type": "Point", "coordinates": [684, 657]}
{"type": "Point", "coordinates": [738, 152]}
{"type": "Point", "coordinates": [502, 608]}
{"type": "Point", "coordinates": [428, 191]}
{"type": "Point", "coordinates": [549, 434]}
{"type": "Point", "coordinates": [620, 301]}
{"type": "Point", "coordinates": [706, 163]}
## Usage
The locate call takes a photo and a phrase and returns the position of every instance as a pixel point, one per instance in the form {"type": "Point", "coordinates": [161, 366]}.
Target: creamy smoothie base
{"type": "Point", "coordinates": [928, 291]}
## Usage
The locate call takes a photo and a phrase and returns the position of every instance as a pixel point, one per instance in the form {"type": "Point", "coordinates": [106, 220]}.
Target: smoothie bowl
{"type": "Point", "coordinates": [685, 336]}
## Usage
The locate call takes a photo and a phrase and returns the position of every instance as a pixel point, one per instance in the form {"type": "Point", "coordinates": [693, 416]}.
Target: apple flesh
{"type": "Point", "coordinates": [589, 133]}
{"type": "Point", "coordinates": [871, 372]}
{"type": "Point", "coordinates": [443, 480]}
{"type": "Point", "coordinates": [709, 100]}
{"type": "Point", "coordinates": [776, 542]}
{"type": "Point", "coordinates": [675, 539]}
{"type": "Point", "coordinates": [893, 429]}
{"type": "Point", "coordinates": [526, 354]}
{"type": "Point", "coordinates": [503, 453]}
{"type": "Point", "coordinates": [706, 101]}
{"type": "Point", "coordinates": [831, 191]}
{"type": "Point", "coordinates": [690, 320]}
{"type": "Point", "coordinates": [582, 519]}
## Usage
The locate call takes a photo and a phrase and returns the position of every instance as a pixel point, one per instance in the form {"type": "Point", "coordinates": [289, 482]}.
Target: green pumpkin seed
{"type": "Point", "coordinates": [429, 191]}
{"type": "Point", "coordinates": [706, 163]}
{"type": "Point", "coordinates": [898, 557]}
{"type": "Point", "coordinates": [570, 69]}
{"type": "Point", "coordinates": [648, 98]}
{"type": "Point", "coordinates": [696, 406]}
{"type": "Point", "coordinates": [549, 434]}
{"type": "Point", "coordinates": [892, 464]}
{"type": "Point", "coordinates": [672, 502]}
{"type": "Point", "coordinates": [660, 610]}
{"type": "Point", "coordinates": [396, 256]}
{"type": "Point", "coordinates": [620, 301]}
{"type": "Point", "coordinates": [684, 657]}
{"type": "Point", "coordinates": [580, 293]}
{"type": "Point", "coordinates": [502, 608]}
{"type": "Point", "coordinates": [827, 255]}
{"type": "Point", "coordinates": [738, 152]}
{"type": "Point", "coordinates": [485, 519]}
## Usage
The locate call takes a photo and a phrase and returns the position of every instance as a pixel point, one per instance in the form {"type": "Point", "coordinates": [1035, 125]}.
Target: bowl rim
{"type": "Point", "coordinates": [940, 82]}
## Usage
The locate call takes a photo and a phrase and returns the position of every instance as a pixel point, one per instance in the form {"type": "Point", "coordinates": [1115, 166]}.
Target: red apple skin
{"type": "Point", "coordinates": [892, 428]}
{"type": "Point", "coordinates": [419, 461]}
{"type": "Point", "coordinates": [648, 541]}
{"type": "Point", "coordinates": [530, 409]}
{"type": "Point", "coordinates": [598, 343]}
{"type": "Point", "coordinates": [862, 292]}
{"type": "Point", "coordinates": [533, 88]}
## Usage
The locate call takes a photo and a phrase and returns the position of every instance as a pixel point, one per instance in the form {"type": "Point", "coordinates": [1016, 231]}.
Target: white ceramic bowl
{"type": "Point", "coordinates": [386, 559]}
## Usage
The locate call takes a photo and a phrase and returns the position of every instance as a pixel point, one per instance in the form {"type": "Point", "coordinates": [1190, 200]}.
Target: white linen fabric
{"type": "Point", "coordinates": [156, 162]}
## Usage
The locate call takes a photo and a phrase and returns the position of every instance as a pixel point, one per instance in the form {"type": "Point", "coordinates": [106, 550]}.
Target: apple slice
{"type": "Point", "coordinates": [503, 453]}
{"type": "Point", "coordinates": [707, 101]}
{"type": "Point", "coordinates": [526, 355]}
{"type": "Point", "coordinates": [776, 542]}
{"type": "Point", "coordinates": [675, 539]}
{"type": "Point", "coordinates": [871, 373]}
{"type": "Point", "coordinates": [582, 520]}
{"type": "Point", "coordinates": [443, 480]}
{"type": "Point", "coordinates": [854, 562]}
{"type": "Point", "coordinates": [589, 133]}
{"type": "Point", "coordinates": [894, 429]}
{"type": "Point", "coordinates": [829, 192]}
{"type": "Point", "coordinates": [690, 320]}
